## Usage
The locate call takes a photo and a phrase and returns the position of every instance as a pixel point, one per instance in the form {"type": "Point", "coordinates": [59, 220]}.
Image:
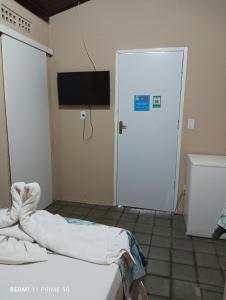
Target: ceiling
{"type": "Point", "coordinates": [47, 8]}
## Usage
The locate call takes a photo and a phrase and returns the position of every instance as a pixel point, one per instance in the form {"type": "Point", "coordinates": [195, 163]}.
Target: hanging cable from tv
{"type": "Point", "coordinates": [87, 139]}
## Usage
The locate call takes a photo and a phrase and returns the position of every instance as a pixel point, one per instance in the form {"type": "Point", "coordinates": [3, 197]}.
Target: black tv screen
{"type": "Point", "coordinates": [84, 88]}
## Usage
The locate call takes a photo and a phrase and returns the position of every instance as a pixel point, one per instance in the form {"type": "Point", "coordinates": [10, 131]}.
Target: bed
{"type": "Point", "coordinates": [61, 277]}
{"type": "Point", "coordinates": [39, 255]}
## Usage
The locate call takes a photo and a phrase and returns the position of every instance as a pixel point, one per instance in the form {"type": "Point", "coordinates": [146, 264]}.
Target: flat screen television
{"type": "Point", "coordinates": [84, 88]}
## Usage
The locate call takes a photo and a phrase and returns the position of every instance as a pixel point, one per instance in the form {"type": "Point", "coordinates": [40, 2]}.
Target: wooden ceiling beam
{"type": "Point", "coordinates": [35, 7]}
{"type": "Point", "coordinates": [45, 9]}
{"type": "Point", "coordinates": [57, 10]}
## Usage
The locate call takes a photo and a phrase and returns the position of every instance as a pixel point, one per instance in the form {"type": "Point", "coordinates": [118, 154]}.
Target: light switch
{"type": "Point", "coordinates": [191, 123]}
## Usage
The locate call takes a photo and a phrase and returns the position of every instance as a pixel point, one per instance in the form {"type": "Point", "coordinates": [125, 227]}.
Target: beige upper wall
{"type": "Point", "coordinates": [40, 33]}
{"type": "Point", "coordinates": [84, 172]}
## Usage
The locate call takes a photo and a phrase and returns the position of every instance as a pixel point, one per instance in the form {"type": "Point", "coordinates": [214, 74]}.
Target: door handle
{"type": "Point", "coordinates": [121, 127]}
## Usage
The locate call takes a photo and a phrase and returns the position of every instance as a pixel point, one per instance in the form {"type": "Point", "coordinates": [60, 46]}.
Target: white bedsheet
{"type": "Point", "coordinates": [70, 279]}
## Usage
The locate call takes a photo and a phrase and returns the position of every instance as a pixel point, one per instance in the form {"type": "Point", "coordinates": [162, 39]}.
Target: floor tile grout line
{"type": "Point", "coordinates": [196, 269]}
{"type": "Point", "coordinates": [162, 297]}
{"type": "Point", "coordinates": [180, 279]}
{"type": "Point", "coordinates": [214, 291]}
{"type": "Point", "coordinates": [137, 218]}
{"type": "Point", "coordinates": [184, 280]}
{"type": "Point", "coordinates": [119, 219]}
{"type": "Point", "coordinates": [218, 260]}
{"type": "Point", "coordinates": [149, 248]}
{"type": "Point", "coordinates": [207, 267]}
{"type": "Point", "coordinates": [180, 263]}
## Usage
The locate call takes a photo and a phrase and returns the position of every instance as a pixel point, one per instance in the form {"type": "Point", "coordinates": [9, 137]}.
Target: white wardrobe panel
{"type": "Point", "coordinates": [27, 112]}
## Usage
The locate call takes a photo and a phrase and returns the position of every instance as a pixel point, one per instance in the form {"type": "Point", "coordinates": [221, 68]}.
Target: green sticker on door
{"type": "Point", "coordinates": [156, 102]}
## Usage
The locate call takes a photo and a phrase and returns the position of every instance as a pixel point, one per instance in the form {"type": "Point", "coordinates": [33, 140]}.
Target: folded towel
{"type": "Point", "coordinates": [10, 216]}
{"type": "Point", "coordinates": [16, 247]}
{"type": "Point", "coordinates": [16, 232]}
{"type": "Point", "coordinates": [14, 251]}
{"type": "Point", "coordinates": [94, 243]}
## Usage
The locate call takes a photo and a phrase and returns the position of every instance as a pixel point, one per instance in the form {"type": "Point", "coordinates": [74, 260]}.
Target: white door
{"type": "Point", "coordinates": [27, 113]}
{"type": "Point", "coordinates": [149, 90]}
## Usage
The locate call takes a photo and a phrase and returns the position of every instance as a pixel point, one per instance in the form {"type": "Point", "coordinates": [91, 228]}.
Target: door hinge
{"type": "Point", "coordinates": [174, 185]}
{"type": "Point", "coordinates": [178, 124]}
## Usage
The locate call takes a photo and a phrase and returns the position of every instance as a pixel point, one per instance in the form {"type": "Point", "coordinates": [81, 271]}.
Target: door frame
{"type": "Point", "coordinates": [181, 109]}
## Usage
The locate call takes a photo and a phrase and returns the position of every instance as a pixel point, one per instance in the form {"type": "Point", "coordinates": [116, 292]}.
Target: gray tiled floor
{"type": "Point", "coordinates": [179, 267]}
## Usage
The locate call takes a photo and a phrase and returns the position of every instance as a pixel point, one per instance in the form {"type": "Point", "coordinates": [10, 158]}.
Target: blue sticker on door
{"type": "Point", "coordinates": [142, 103]}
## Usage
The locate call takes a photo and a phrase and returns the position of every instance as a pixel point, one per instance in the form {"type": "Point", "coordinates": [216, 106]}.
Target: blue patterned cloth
{"type": "Point", "coordinates": [222, 220]}
{"type": "Point", "coordinates": [137, 270]}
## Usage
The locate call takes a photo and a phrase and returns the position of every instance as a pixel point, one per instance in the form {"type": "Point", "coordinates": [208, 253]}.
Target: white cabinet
{"type": "Point", "coordinates": [206, 193]}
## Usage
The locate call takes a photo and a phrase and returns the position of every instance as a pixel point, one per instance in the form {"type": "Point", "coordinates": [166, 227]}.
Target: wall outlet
{"type": "Point", "coordinates": [191, 124]}
{"type": "Point", "coordinates": [82, 114]}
